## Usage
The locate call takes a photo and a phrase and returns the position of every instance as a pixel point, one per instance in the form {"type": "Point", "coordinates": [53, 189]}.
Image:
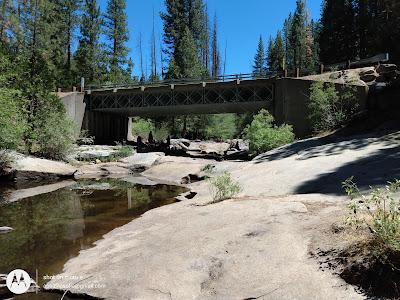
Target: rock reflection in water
{"type": "Point", "coordinates": [52, 228]}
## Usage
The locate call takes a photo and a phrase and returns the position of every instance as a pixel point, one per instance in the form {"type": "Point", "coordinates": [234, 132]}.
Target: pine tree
{"type": "Point", "coordinates": [259, 65]}
{"type": "Point", "coordinates": [117, 34]}
{"type": "Point", "coordinates": [271, 55]}
{"type": "Point", "coordinates": [5, 11]}
{"type": "Point", "coordinates": [377, 27]}
{"type": "Point", "coordinates": [205, 41]}
{"type": "Point", "coordinates": [216, 58]}
{"type": "Point", "coordinates": [287, 32]}
{"type": "Point", "coordinates": [298, 35]}
{"type": "Point", "coordinates": [90, 53]}
{"type": "Point", "coordinates": [195, 20]}
{"type": "Point", "coordinates": [153, 49]}
{"type": "Point", "coordinates": [174, 23]}
{"type": "Point", "coordinates": [67, 13]}
{"type": "Point", "coordinates": [179, 15]}
{"type": "Point", "coordinates": [187, 55]}
{"type": "Point", "coordinates": [338, 39]}
{"type": "Point", "coordinates": [311, 60]}
{"type": "Point", "coordinates": [279, 53]}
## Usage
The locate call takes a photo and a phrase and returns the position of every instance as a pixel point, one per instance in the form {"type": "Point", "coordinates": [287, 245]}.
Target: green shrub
{"type": "Point", "coordinates": [379, 211]}
{"type": "Point", "coordinates": [223, 187]}
{"type": "Point", "coordinates": [12, 119]}
{"type": "Point", "coordinates": [329, 108]}
{"type": "Point", "coordinates": [53, 132]}
{"type": "Point", "coordinates": [264, 136]}
{"type": "Point", "coordinates": [142, 127]}
{"type": "Point", "coordinates": [221, 127]}
{"type": "Point", "coordinates": [5, 161]}
{"type": "Point", "coordinates": [13, 122]}
{"type": "Point", "coordinates": [161, 133]}
{"type": "Point", "coordinates": [123, 151]}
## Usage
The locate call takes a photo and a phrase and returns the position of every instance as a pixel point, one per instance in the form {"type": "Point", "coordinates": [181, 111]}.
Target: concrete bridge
{"type": "Point", "coordinates": [109, 108]}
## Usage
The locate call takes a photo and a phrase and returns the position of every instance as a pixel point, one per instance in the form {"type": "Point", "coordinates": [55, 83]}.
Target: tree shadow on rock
{"type": "Point", "coordinates": [375, 170]}
{"type": "Point", "coordinates": [326, 146]}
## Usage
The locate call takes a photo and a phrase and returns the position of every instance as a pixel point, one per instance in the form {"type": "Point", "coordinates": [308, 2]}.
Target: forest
{"type": "Point", "coordinates": [37, 39]}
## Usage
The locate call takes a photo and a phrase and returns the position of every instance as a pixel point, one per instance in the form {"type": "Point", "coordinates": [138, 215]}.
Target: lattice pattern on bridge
{"type": "Point", "coordinates": [261, 90]}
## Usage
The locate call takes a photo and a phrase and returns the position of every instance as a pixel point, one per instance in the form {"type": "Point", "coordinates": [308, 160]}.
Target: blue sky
{"type": "Point", "coordinates": [240, 24]}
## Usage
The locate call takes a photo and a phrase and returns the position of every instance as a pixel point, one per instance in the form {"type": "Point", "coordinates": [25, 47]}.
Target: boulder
{"type": "Point", "coordinates": [386, 68]}
{"type": "Point", "coordinates": [5, 229]}
{"type": "Point", "coordinates": [367, 71]}
{"type": "Point", "coordinates": [370, 77]}
{"type": "Point", "coordinates": [179, 145]}
{"type": "Point", "coordinates": [185, 142]}
{"type": "Point", "coordinates": [94, 152]}
{"type": "Point", "coordinates": [115, 170]}
{"type": "Point", "coordinates": [239, 144]}
{"type": "Point", "coordinates": [335, 75]}
{"type": "Point", "coordinates": [141, 161]}
{"type": "Point", "coordinates": [32, 168]}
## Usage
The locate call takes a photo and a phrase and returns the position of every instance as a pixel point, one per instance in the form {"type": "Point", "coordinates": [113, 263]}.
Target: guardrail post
{"type": "Point", "coordinates": [297, 72]}
{"type": "Point", "coordinates": [321, 68]}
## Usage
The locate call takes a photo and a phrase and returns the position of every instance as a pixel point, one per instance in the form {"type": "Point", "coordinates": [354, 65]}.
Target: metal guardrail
{"type": "Point", "coordinates": [383, 57]}
{"type": "Point", "coordinates": [380, 58]}
{"type": "Point", "coordinates": [223, 78]}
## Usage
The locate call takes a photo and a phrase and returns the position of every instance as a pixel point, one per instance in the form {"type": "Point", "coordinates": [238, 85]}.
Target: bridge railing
{"type": "Point", "coordinates": [222, 78]}
{"type": "Point", "coordinates": [383, 57]}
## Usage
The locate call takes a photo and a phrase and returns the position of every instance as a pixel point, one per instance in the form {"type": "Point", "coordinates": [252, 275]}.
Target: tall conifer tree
{"type": "Point", "coordinates": [117, 34]}
{"type": "Point", "coordinates": [90, 54]}
{"type": "Point", "coordinates": [338, 39]}
{"type": "Point", "coordinates": [216, 57]}
{"type": "Point", "coordinates": [259, 65]}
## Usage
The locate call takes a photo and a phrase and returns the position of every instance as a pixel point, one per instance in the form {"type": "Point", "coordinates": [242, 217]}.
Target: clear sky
{"type": "Point", "coordinates": [240, 24]}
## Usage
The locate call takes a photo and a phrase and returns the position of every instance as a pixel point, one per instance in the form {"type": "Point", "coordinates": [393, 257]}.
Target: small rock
{"type": "Point", "coordinates": [98, 161]}
{"type": "Point", "coordinates": [5, 229]}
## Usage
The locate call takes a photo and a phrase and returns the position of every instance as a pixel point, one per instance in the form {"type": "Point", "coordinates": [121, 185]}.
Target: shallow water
{"type": "Point", "coordinates": [52, 228]}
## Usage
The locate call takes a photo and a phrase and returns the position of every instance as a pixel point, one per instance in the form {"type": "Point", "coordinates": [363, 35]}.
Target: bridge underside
{"type": "Point", "coordinates": [193, 109]}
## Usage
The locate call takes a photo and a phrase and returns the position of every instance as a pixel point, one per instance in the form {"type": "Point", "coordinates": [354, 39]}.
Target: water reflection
{"type": "Point", "coordinates": [52, 228]}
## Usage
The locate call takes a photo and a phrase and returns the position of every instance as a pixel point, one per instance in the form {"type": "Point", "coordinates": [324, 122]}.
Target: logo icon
{"type": "Point", "coordinates": [18, 281]}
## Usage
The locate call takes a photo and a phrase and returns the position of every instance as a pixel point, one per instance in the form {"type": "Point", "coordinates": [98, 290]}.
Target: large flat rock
{"type": "Point", "coordinates": [255, 246]}
{"type": "Point", "coordinates": [26, 167]}
{"type": "Point", "coordinates": [232, 250]}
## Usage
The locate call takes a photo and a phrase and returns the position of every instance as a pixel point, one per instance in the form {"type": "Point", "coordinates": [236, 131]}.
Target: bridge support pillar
{"type": "Point", "coordinates": [129, 136]}
{"type": "Point", "coordinates": [107, 128]}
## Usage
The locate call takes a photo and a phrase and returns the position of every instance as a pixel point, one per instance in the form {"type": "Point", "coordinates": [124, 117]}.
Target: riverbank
{"type": "Point", "coordinates": [256, 245]}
